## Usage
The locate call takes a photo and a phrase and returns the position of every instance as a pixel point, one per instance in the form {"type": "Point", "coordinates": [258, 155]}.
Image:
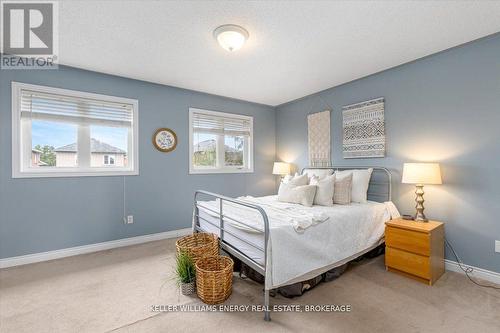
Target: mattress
{"type": "Point", "coordinates": [256, 239]}
{"type": "Point", "coordinates": [349, 231]}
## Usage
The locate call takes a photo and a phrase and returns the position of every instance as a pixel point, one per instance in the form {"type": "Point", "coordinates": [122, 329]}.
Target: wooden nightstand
{"type": "Point", "coordinates": [415, 249]}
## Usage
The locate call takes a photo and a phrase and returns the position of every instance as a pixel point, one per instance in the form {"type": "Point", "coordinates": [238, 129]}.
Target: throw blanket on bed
{"type": "Point", "coordinates": [280, 213]}
{"type": "Point", "coordinates": [308, 240]}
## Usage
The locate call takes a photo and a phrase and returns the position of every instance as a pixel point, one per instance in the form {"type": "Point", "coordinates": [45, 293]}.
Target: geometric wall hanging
{"type": "Point", "coordinates": [364, 129]}
{"type": "Point", "coordinates": [318, 138]}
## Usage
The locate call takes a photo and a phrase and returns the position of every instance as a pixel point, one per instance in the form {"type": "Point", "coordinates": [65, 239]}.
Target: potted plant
{"type": "Point", "coordinates": [185, 272]}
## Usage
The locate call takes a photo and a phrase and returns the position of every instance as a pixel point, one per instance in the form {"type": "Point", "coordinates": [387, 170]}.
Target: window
{"type": "Point", "coordinates": [61, 133]}
{"type": "Point", "coordinates": [220, 142]}
{"type": "Point", "coordinates": [109, 160]}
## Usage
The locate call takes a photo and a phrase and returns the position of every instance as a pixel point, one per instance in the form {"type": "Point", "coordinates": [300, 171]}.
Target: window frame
{"type": "Point", "coordinates": [20, 170]}
{"type": "Point", "coordinates": [247, 149]}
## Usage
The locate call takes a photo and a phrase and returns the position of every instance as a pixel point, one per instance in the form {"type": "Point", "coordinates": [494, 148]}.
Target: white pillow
{"type": "Point", "coordinates": [292, 181]}
{"type": "Point", "coordinates": [297, 180]}
{"type": "Point", "coordinates": [318, 172]}
{"type": "Point", "coordinates": [325, 190]}
{"type": "Point", "coordinates": [360, 183]}
{"type": "Point", "coordinates": [303, 195]}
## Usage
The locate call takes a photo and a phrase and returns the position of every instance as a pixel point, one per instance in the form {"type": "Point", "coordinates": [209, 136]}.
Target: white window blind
{"type": "Point", "coordinates": [60, 133]}
{"type": "Point", "coordinates": [220, 142]}
{"type": "Point", "coordinates": [60, 108]}
{"type": "Point", "coordinates": [224, 125]}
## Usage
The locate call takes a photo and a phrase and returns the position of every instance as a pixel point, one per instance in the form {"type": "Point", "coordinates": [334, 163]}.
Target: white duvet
{"type": "Point", "coordinates": [303, 240]}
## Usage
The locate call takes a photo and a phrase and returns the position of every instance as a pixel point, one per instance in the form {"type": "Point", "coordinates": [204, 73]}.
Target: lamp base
{"type": "Point", "coordinates": [420, 219]}
{"type": "Point", "coordinates": [419, 215]}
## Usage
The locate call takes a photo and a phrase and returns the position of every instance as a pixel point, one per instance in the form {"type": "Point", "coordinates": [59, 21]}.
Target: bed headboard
{"type": "Point", "coordinates": [380, 187]}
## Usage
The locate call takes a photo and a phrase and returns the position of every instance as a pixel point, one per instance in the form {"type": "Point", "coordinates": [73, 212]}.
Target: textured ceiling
{"type": "Point", "coordinates": [295, 48]}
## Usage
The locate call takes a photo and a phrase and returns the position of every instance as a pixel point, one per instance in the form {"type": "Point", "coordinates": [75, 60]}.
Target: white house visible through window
{"type": "Point", "coordinates": [109, 160]}
{"type": "Point", "coordinates": [59, 133]}
{"type": "Point", "coordinates": [220, 142]}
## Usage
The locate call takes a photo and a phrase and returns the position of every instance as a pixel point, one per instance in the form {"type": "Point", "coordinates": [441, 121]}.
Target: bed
{"type": "Point", "coordinates": [288, 243]}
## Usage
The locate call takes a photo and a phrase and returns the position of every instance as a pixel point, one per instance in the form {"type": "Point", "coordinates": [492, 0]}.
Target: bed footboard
{"type": "Point", "coordinates": [228, 247]}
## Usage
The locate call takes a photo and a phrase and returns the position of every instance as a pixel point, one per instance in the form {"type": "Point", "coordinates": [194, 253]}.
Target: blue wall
{"type": "Point", "coordinates": [42, 214]}
{"type": "Point", "coordinates": [444, 108]}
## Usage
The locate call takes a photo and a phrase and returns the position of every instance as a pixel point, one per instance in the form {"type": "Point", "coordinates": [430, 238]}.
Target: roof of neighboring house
{"type": "Point", "coordinates": [205, 145]}
{"type": "Point", "coordinates": [96, 146]}
{"type": "Point", "coordinates": [210, 145]}
{"type": "Point", "coordinates": [34, 150]}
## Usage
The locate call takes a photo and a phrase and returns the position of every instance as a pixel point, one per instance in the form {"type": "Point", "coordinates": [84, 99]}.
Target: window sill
{"type": "Point", "coordinates": [59, 174]}
{"type": "Point", "coordinates": [218, 171]}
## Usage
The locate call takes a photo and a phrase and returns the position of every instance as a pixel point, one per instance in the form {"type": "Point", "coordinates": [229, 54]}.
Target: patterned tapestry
{"type": "Point", "coordinates": [364, 129]}
{"type": "Point", "coordinates": [318, 136]}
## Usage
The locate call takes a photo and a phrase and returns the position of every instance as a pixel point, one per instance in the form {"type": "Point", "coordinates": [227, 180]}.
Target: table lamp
{"type": "Point", "coordinates": [281, 168]}
{"type": "Point", "coordinates": [421, 174]}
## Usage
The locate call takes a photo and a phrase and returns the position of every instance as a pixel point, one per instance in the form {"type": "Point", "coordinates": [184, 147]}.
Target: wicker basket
{"type": "Point", "coordinates": [198, 245]}
{"type": "Point", "coordinates": [214, 279]}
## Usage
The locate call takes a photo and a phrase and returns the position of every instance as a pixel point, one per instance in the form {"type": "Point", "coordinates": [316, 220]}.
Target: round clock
{"type": "Point", "coordinates": [165, 140]}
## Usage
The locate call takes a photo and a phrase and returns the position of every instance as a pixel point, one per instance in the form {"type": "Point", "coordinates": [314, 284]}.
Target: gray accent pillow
{"type": "Point", "coordinates": [343, 190]}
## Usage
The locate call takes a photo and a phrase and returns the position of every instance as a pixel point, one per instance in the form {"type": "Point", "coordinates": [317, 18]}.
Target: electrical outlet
{"type": "Point", "coordinates": [130, 219]}
{"type": "Point", "coordinates": [497, 246]}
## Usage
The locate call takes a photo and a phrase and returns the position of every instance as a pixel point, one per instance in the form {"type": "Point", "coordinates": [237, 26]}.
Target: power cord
{"type": "Point", "coordinates": [467, 270]}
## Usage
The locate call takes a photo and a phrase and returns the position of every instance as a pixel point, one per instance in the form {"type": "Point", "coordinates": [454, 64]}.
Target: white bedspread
{"type": "Point", "coordinates": [305, 239]}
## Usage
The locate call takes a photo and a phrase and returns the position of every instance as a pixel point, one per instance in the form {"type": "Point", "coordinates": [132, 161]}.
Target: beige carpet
{"type": "Point", "coordinates": [114, 291]}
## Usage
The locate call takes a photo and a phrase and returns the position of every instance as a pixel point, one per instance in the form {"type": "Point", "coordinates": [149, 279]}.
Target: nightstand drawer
{"type": "Point", "coordinates": [408, 240]}
{"type": "Point", "coordinates": [408, 262]}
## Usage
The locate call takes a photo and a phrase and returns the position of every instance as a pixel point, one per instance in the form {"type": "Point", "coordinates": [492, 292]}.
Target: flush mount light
{"type": "Point", "coordinates": [231, 37]}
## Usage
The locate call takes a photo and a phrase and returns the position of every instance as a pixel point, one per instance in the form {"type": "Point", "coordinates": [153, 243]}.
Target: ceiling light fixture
{"type": "Point", "coordinates": [231, 37]}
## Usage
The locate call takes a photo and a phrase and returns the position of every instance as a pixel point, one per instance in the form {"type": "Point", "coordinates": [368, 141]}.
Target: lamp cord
{"type": "Point", "coordinates": [467, 269]}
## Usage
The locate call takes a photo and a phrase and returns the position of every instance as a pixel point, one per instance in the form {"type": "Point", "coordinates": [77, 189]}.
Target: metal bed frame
{"type": "Point", "coordinates": [379, 190]}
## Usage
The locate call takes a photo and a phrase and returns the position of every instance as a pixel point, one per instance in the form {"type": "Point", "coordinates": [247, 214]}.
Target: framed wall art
{"type": "Point", "coordinates": [165, 140]}
{"type": "Point", "coordinates": [364, 129]}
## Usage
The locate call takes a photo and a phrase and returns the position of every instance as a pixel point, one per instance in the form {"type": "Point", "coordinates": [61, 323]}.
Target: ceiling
{"type": "Point", "coordinates": [295, 48]}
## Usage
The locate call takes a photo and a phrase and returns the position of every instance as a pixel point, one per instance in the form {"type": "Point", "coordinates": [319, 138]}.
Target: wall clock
{"type": "Point", "coordinates": [165, 140]}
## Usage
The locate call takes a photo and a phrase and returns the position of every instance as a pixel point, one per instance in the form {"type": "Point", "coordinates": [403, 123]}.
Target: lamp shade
{"type": "Point", "coordinates": [421, 173]}
{"type": "Point", "coordinates": [281, 168]}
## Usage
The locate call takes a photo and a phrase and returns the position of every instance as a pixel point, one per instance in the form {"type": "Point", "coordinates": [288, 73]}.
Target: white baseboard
{"type": "Point", "coordinates": [73, 251]}
{"type": "Point", "coordinates": [477, 273]}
